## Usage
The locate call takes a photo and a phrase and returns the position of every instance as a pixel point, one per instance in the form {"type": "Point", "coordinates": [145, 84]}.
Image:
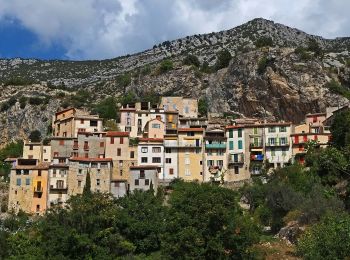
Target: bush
{"type": "Point", "coordinates": [315, 47]}
{"type": "Point", "coordinates": [166, 65]}
{"type": "Point", "coordinates": [264, 41]}
{"type": "Point", "coordinates": [13, 149]}
{"type": "Point", "coordinates": [262, 65]}
{"type": "Point", "coordinates": [22, 102]}
{"type": "Point", "coordinates": [336, 88]}
{"type": "Point", "coordinates": [192, 60]}
{"type": "Point", "coordinates": [329, 239]}
{"type": "Point", "coordinates": [206, 68]}
{"type": "Point", "coordinates": [35, 101]}
{"type": "Point", "coordinates": [7, 105]}
{"type": "Point", "coordinates": [107, 108]}
{"type": "Point", "coordinates": [203, 106]}
{"type": "Point", "coordinates": [17, 81]}
{"type": "Point", "coordinates": [303, 54]}
{"type": "Point", "coordinates": [223, 59]}
{"type": "Point", "coordinates": [35, 136]}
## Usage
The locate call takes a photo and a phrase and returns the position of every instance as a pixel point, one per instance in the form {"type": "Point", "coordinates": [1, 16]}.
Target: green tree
{"type": "Point", "coordinates": [107, 108]}
{"type": "Point", "coordinates": [205, 222]}
{"type": "Point", "coordinates": [192, 60]}
{"type": "Point", "coordinates": [264, 41]}
{"type": "Point", "coordinates": [329, 239]}
{"type": "Point", "coordinates": [87, 187]}
{"type": "Point", "coordinates": [35, 136]}
{"type": "Point", "coordinates": [166, 65]}
{"type": "Point", "coordinates": [203, 106]}
{"type": "Point", "coordinates": [124, 80]}
{"type": "Point", "coordinates": [315, 47]}
{"type": "Point", "coordinates": [223, 59]}
{"type": "Point", "coordinates": [340, 129]}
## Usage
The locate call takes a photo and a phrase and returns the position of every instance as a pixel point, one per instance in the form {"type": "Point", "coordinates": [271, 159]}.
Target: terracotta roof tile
{"type": "Point", "coordinates": [117, 134]}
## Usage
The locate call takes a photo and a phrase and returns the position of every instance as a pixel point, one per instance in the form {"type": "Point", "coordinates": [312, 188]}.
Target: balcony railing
{"type": "Point", "coordinates": [256, 157]}
{"type": "Point", "coordinates": [270, 144]}
{"type": "Point", "coordinates": [215, 146]}
{"type": "Point", "coordinates": [59, 188]}
{"type": "Point", "coordinates": [236, 158]}
{"type": "Point", "coordinates": [174, 143]}
{"type": "Point", "coordinates": [256, 145]}
{"type": "Point", "coordinates": [38, 189]}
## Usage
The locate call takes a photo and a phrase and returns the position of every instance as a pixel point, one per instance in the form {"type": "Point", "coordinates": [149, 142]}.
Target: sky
{"type": "Point", "coordinates": [102, 29]}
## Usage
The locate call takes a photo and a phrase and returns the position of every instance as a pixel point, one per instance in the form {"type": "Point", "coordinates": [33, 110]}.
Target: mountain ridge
{"type": "Point", "coordinates": [284, 71]}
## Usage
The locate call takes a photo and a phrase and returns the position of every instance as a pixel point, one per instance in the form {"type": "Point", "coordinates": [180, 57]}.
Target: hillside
{"type": "Point", "coordinates": [276, 72]}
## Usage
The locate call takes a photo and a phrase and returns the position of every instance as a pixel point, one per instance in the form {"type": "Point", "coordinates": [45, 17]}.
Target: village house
{"type": "Point", "coordinates": [143, 177]}
{"type": "Point", "coordinates": [150, 151]}
{"type": "Point", "coordinates": [37, 150]}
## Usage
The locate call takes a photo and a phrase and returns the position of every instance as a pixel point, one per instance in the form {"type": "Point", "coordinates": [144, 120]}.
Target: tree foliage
{"type": "Point", "coordinates": [192, 60]}
{"type": "Point", "coordinates": [340, 129]}
{"type": "Point", "coordinates": [264, 41]}
{"type": "Point", "coordinates": [203, 106]}
{"type": "Point", "coordinates": [223, 59]}
{"type": "Point", "coordinates": [35, 136]}
{"type": "Point", "coordinates": [166, 65]}
{"type": "Point", "coordinates": [107, 108]}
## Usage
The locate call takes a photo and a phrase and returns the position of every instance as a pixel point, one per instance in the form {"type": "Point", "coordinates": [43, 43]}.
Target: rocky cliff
{"type": "Point", "coordinates": [274, 74]}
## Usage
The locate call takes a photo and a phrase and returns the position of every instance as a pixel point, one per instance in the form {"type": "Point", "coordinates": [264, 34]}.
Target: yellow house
{"type": "Point", "coordinates": [34, 150]}
{"type": "Point", "coordinates": [190, 154]}
{"type": "Point", "coordinates": [29, 186]}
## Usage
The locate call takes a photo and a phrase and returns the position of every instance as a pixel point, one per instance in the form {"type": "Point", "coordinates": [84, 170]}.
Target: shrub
{"type": "Point", "coordinates": [329, 239]}
{"type": "Point", "coordinates": [35, 101]}
{"type": "Point", "coordinates": [336, 88]}
{"type": "Point", "coordinates": [107, 108]}
{"type": "Point", "coordinates": [223, 59]}
{"type": "Point", "coordinates": [146, 70]}
{"type": "Point", "coordinates": [7, 105]}
{"type": "Point", "coordinates": [166, 65]}
{"type": "Point", "coordinates": [264, 41]}
{"type": "Point", "coordinates": [303, 54]}
{"type": "Point", "coordinates": [203, 106]}
{"type": "Point", "coordinates": [22, 102]}
{"type": "Point", "coordinates": [17, 81]}
{"type": "Point", "coordinates": [35, 136]}
{"type": "Point", "coordinates": [315, 47]}
{"type": "Point", "coordinates": [191, 60]}
{"type": "Point", "coordinates": [262, 65]}
{"type": "Point", "coordinates": [206, 68]}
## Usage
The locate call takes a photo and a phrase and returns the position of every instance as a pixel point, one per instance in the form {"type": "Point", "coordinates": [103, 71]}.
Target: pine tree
{"type": "Point", "coordinates": [87, 187]}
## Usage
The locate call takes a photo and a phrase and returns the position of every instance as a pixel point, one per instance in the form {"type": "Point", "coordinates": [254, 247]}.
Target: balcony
{"type": "Point", "coordinates": [256, 144]}
{"type": "Point", "coordinates": [38, 189]}
{"type": "Point", "coordinates": [59, 188]}
{"type": "Point", "coordinates": [215, 146]}
{"type": "Point", "coordinates": [275, 144]}
{"type": "Point", "coordinates": [256, 157]}
{"type": "Point", "coordinates": [86, 147]}
{"type": "Point", "coordinates": [175, 143]}
{"type": "Point", "coordinates": [236, 158]}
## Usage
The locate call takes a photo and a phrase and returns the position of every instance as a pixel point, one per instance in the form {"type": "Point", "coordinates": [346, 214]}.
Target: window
{"type": "Point", "coordinates": [156, 160]}
{"type": "Point", "coordinates": [98, 182]}
{"type": "Point", "coordinates": [220, 163]}
{"type": "Point", "coordinates": [27, 181]}
{"type": "Point", "coordinates": [190, 133]}
{"type": "Point", "coordinates": [240, 144]}
{"type": "Point", "coordinates": [121, 140]}
{"type": "Point", "coordinates": [112, 140]}
{"type": "Point", "coordinates": [136, 182]}
{"type": "Point", "coordinates": [167, 150]}
{"type": "Point", "coordinates": [121, 163]}
{"type": "Point", "coordinates": [79, 183]}
{"type": "Point", "coordinates": [272, 141]}
{"type": "Point", "coordinates": [167, 160]}
{"type": "Point", "coordinates": [142, 174]}
{"type": "Point", "coordinates": [18, 172]}
{"type": "Point", "coordinates": [236, 168]}
{"type": "Point", "coordinates": [231, 145]}
{"type": "Point", "coordinates": [61, 142]}
{"type": "Point", "coordinates": [37, 207]}
{"type": "Point", "coordinates": [86, 155]}
{"type": "Point", "coordinates": [102, 144]}
{"type": "Point", "coordinates": [187, 172]}
{"type": "Point", "coordinates": [283, 129]}
{"type": "Point", "coordinates": [119, 152]}
{"type": "Point", "coordinates": [171, 171]}
{"type": "Point", "coordinates": [230, 133]}
{"type": "Point", "coordinates": [239, 132]}
{"type": "Point", "coordinates": [156, 149]}
{"type": "Point", "coordinates": [81, 121]}
{"type": "Point", "coordinates": [272, 129]}
{"type": "Point", "coordinates": [186, 110]}
{"type": "Point", "coordinates": [39, 172]}
{"type": "Point", "coordinates": [314, 119]}
{"type": "Point", "coordinates": [147, 182]}
{"type": "Point", "coordinates": [139, 121]}
{"type": "Point", "coordinates": [144, 150]}
{"type": "Point", "coordinates": [235, 157]}
{"type": "Point", "coordinates": [121, 172]}
{"type": "Point", "coordinates": [132, 154]}
{"type": "Point", "coordinates": [31, 147]}
{"type": "Point", "coordinates": [156, 126]}
{"type": "Point", "coordinates": [60, 184]}
{"type": "Point", "coordinates": [255, 130]}
{"type": "Point", "coordinates": [283, 140]}
{"type": "Point", "coordinates": [144, 160]}
{"type": "Point", "coordinates": [93, 122]}
{"type": "Point", "coordinates": [301, 147]}
{"type": "Point", "coordinates": [210, 163]}
{"type": "Point", "coordinates": [187, 161]}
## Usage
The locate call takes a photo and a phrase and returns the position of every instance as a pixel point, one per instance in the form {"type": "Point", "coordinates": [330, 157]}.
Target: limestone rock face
{"type": "Point", "coordinates": [274, 83]}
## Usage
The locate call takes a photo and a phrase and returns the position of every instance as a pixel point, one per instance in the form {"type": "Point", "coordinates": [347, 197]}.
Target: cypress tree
{"type": "Point", "coordinates": [87, 187]}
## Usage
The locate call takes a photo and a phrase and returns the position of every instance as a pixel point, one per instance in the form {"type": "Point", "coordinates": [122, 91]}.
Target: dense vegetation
{"type": "Point", "coordinates": [194, 221]}
{"type": "Point", "coordinates": [14, 149]}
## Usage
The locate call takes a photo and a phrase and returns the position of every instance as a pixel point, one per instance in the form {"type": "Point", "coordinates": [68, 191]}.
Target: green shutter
{"type": "Point", "coordinates": [231, 145]}
{"type": "Point", "coordinates": [239, 132]}
{"type": "Point", "coordinates": [231, 133]}
{"type": "Point", "coordinates": [240, 144]}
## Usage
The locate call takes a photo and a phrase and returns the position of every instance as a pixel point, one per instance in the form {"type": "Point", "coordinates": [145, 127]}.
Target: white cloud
{"type": "Point", "coordinates": [90, 29]}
